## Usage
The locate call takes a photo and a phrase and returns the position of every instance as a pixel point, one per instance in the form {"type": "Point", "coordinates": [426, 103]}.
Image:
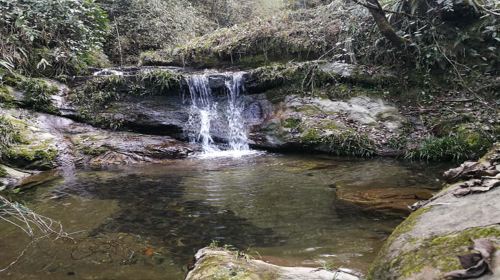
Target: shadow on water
{"type": "Point", "coordinates": [146, 222]}
{"type": "Point", "coordinates": [154, 208]}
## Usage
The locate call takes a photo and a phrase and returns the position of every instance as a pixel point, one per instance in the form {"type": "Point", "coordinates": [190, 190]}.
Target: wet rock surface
{"type": "Point", "coordinates": [99, 148]}
{"type": "Point", "coordinates": [218, 263]}
{"type": "Point", "coordinates": [47, 142]}
{"type": "Point", "coordinates": [426, 244]}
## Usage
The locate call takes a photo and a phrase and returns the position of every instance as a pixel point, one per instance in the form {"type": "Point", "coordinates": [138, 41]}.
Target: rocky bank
{"type": "Point", "coordinates": [426, 244]}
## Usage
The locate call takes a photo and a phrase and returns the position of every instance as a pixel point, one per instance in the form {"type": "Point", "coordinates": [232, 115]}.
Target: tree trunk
{"type": "Point", "coordinates": [383, 24]}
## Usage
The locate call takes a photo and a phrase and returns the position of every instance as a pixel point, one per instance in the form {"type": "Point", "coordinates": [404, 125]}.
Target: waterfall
{"type": "Point", "coordinates": [202, 112]}
{"type": "Point", "coordinates": [238, 140]}
{"type": "Point", "coordinates": [206, 118]}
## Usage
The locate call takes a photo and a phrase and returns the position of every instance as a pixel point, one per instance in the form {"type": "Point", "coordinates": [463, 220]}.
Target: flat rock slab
{"type": "Point", "coordinates": [218, 263]}
{"type": "Point", "coordinates": [64, 143]}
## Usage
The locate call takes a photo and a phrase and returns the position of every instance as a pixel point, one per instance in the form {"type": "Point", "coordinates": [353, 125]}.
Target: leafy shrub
{"type": "Point", "coordinates": [158, 81]}
{"type": "Point", "coordinates": [38, 94]}
{"type": "Point", "coordinates": [139, 25]}
{"type": "Point", "coordinates": [50, 36]}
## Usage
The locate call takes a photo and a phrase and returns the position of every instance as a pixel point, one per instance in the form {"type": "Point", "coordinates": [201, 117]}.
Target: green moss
{"type": "Point", "coordinates": [6, 95]}
{"type": "Point", "coordinates": [3, 172]}
{"type": "Point", "coordinates": [311, 136]}
{"type": "Point", "coordinates": [381, 265]}
{"type": "Point", "coordinates": [93, 151]}
{"type": "Point", "coordinates": [40, 156]}
{"type": "Point", "coordinates": [212, 266]}
{"type": "Point", "coordinates": [440, 252]}
{"type": "Point", "coordinates": [291, 123]}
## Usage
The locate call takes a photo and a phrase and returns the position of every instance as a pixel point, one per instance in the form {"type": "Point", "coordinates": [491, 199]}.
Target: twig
{"type": "Point", "coordinates": [30, 223]}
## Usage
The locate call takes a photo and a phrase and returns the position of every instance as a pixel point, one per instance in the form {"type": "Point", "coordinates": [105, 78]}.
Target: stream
{"type": "Point", "coordinates": [146, 222]}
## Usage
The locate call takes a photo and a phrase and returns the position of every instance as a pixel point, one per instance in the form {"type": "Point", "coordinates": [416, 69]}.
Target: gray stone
{"type": "Point", "coordinates": [426, 244]}
{"type": "Point", "coordinates": [217, 263]}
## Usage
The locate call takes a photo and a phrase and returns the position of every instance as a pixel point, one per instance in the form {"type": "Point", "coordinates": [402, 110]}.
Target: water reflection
{"type": "Point", "coordinates": [158, 216]}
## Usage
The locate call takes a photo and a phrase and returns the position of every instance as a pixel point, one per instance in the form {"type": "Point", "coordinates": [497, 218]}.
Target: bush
{"type": "Point", "coordinates": [457, 146]}
{"type": "Point", "coordinates": [140, 25]}
{"type": "Point", "coordinates": [38, 94]}
{"type": "Point", "coordinates": [50, 36]}
{"type": "Point", "coordinates": [306, 34]}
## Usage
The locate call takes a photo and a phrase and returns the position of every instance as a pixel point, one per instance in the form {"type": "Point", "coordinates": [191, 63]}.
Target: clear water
{"type": "Point", "coordinates": [146, 222]}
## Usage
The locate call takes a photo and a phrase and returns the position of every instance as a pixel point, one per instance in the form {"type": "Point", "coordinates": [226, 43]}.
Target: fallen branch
{"type": "Point", "coordinates": [34, 225]}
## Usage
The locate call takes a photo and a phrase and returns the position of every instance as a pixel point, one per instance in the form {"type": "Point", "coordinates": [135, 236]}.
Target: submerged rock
{"type": "Point", "coordinates": [388, 201]}
{"type": "Point", "coordinates": [217, 263]}
{"type": "Point", "coordinates": [426, 244]}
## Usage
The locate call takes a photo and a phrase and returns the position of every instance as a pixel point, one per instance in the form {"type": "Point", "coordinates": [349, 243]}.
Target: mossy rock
{"type": "Point", "coordinates": [40, 156]}
{"type": "Point", "coordinates": [341, 79]}
{"type": "Point", "coordinates": [425, 246]}
{"type": "Point", "coordinates": [27, 146]}
{"type": "Point", "coordinates": [225, 264]}
{"type": "Point", "coordinates": [437, 254]}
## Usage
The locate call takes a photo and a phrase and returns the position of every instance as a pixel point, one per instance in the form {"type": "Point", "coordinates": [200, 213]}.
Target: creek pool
{"type": "Point", "coordinates": [147, 221]}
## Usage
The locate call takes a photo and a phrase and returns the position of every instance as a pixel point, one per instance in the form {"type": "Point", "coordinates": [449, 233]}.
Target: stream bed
{"type": "Point", "coordinates": [147, 221]}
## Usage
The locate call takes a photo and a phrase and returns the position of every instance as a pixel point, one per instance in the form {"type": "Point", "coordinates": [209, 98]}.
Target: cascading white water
{"type": "Point", "coordinates": [202, 111]}
{"type": "Point", "coordinates": [204, 114]}
{"type": "Point", "coordinates": [238, 140]}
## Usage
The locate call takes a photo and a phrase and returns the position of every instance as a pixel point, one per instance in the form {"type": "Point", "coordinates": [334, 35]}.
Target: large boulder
{"type": "Point", "coordinates": [425, 246]}
{"type": "Point", "coordinates": [360, 125]}
{"type": "Point", "coordinates": [218, 263]}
